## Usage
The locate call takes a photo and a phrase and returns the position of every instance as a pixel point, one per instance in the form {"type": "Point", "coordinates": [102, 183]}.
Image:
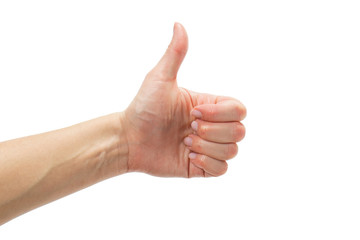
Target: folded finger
{"type": "Point", "coordinates": [210, 165]}
{"type": "Point", "coordinates": [225, 111]}
{"type": "Point", "coordinates": [226, 132]}
{"type": "Point", "coordinates": [221, 151]}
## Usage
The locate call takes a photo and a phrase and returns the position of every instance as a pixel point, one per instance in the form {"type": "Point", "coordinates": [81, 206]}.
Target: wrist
{"type": "Point", "coordinates": [122, 152]}
{"type": "Point", "coordinates": [110, 146]}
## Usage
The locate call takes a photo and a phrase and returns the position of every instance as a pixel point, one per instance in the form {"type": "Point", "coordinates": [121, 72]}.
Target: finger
{"type": "Point", "coordinates": [221, 151]}
{"type": "Point", "coordinates": [219, 132]}
{"type": "Point", "coordinates": [195, 171]}
{"type": "Point", "coordinates": [208, 175]}
{"type": "Point", "coordinates": [226, 111]}
{"type": "Point", "coordinates": [169, 64]}
{"type": "Point", "coordinates": [209, 165]}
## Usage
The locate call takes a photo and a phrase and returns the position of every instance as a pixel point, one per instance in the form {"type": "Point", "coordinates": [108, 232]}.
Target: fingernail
{"type": "Point", "coordinates": [196, 113]}
{"type": "Point", "coordinates": [194, 125]}
{"type": "Point", "coordinates": [192, 155]}
{"type": "Point", "coordinates": [188, 141]}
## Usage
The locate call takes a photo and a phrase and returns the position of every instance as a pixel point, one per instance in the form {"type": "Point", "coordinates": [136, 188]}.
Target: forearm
{"type": "Point", "coordinates": [39, 169]}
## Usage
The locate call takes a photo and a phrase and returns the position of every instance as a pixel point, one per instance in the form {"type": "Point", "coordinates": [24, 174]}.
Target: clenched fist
{"type": "Point", "coordinates": [172, 131]}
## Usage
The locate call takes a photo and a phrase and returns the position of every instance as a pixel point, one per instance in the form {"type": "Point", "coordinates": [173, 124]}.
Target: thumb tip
{"type": "Point", "coordinates": [170, 63]}
{"type": "Point", "coordinates": [177, 25]}
{"type": "Point", "coordinates": [179, 42]}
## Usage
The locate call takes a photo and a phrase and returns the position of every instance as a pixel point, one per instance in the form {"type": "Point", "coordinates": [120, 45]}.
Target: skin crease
{"type": "Point", "coordinates": [159, 118]}
{"type": "Point", "coordinates": [152, 135]}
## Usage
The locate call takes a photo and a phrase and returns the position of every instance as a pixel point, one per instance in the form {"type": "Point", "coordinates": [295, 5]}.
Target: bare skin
{"type": "Point", "coordinates": [166, 131]}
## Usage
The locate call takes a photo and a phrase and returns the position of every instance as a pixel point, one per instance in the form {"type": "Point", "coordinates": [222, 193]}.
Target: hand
{"type": "Point", "coordinates": [172, 131]}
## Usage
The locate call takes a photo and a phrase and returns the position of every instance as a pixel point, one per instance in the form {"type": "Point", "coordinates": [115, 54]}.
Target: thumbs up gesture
{"type": "Point", "coordinates": [174, 132]}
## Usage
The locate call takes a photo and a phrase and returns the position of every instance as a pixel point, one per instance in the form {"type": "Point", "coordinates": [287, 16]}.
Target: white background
{"type": "Point", "coordinates": [294, 64]}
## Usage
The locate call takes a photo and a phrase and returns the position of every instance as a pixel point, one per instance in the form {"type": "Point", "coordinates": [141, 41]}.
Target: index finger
{"type": "Point", "coordinates": [229, 110]}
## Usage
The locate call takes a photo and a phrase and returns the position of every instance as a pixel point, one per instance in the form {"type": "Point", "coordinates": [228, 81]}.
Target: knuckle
{"type": "Point", "coordinates": [202, 159]}
{"type": "Point", "coordinates": [240, 112]}
{"type": "Point", "coordinates": [244, 112]}
{"type": "Point", "coordinates": [222, 169]}
{"type": "Point", "coordinates": [203, 130]}
{"type": "Point", "coordinates": [211, 111]}
{"type": "Point", "coordinates": [232, 150]}
{"type": "Point", "coordinates": [238, 132]}
{"type": "Point", "coordinates": [150, 75]}
{"type": "Point", "coordinates": [161, 76]}
{"type": "Point", "coordinates": [197, 144]}
{"type": "Point", "coordinates": [156, 75]}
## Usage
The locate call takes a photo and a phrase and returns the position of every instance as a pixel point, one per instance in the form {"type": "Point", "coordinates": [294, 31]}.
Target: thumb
{"type": "Point", "coordinates": [169, 64]}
